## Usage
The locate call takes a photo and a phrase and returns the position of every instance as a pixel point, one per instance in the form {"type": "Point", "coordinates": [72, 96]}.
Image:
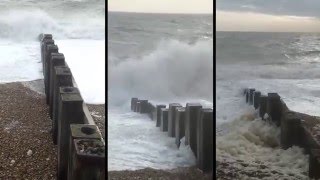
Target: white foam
{"type": "Point", "coordinates": [134, 142]}
{"type": "Point", "coordinates": [86, 59]}
{"type": "Point", "coordinates": [173, 70]}
{"type": "Point", "coordinates": [20, 62]}
{"type": "Point", "coordinates": [256, 142]}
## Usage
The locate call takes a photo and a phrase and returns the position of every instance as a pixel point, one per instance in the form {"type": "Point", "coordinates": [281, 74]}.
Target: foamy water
{"type": "Point", "coordinates": [162, 58]}
{"type": "Point", "coordinates": [270, 62]}
{"type": "Point", "coordinates": [79, 35]}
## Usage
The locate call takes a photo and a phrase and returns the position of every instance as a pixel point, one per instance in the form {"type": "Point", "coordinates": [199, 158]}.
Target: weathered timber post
{"type": "Point", "coordinates": [57, 59]}
{"type": "Point", "coordinates": [51, 48]}
{"type": "Point", "coordinates": [256, 98]}
{"type": "Point", "coordinates": [158, 114]}
{"type": "Point", "coordinates": [245, 91]}
{"type": "Point", "coordinates": [138, 106]}
{"type": "Point", "coordinates": [291, 130]}
{"type": "Point", "coordinates": [251, 91]}
{"type": "Point", "coordinates": [61, 77]}
{"type": "Point", "coordinates": [171, 118]}
{"type": "Point", "coordinates": [314, 164]}
{"type": "Point", "coordinates": [133, 103]}
{"type": "Point", "coordinates": [88, 159]}
{"type": "Point", "coordinates": [164, 119]}
{"type": "Point", "coordinates": [192, 118]}
{"type": "Point", "coordinates": [180, 124]}
{"type": "Point", "coordinates": [262, 105]}
{"type": "Point", "coordinates": [205, 140]}
{"type": "Point", "coordinates": [274, 107]}
{"type": "Point", "coordinates": [143, 106]}
{"type": "Point", "coordinates": [44, 44]}
{"type": "Point", "coordinates": [71, 112]}
{"type": "Point", "coordinates": [62, 90]}
{"type": "Point", "coordinates": [89, 167]}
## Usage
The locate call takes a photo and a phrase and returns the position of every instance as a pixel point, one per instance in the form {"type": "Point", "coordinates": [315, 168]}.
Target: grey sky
{"type": "Point", "coordinates": [268, 15]}
{"type": "Point", "coordinates": [162, 6]}
{"type": "Point", "coordinates": [275, 7]}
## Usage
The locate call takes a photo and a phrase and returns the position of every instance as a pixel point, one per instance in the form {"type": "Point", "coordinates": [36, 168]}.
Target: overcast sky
{"type": "Point", "coordinates": [268, 15]}
{"type": "Point", "coordinates": [162, 6]}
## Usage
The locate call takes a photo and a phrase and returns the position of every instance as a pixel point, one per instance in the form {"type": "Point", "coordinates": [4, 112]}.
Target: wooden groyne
{"type": "Point", "coordinates": [193, 122]}
{"type": "Point", "coordinates": [297, 129]}
{"type": "Point", "coordinates": [81, 148]}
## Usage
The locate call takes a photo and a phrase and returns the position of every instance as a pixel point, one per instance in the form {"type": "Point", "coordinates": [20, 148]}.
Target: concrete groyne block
{"type": "Point", "coordinates": [274, 108]}
{"type": "Point", "coordinates": [158, 114]}
{"type": "Point", "coordinates": [164, 119]}
{"type": "Point", "coordinates": [256, 98]}
{"type": "Point", "coordinates": [133, 103]}
{"type": "Point", "coordinates": [62, 90]}
{"type": "Point", "coordinates": [57, 59]}
{"type": "Point", "coordinates": [51, 48]}
{"type": "Point", "coordinates": [262, 105]}
{"type": "Point", "coordinates": [171, 118]}
{"type": "Point", "coordinates": [71, 112]}
{"type": "Point", "coordinates": [87, 159]}
{"type": "Point", "coordinates": [205, 140]}
{"type": "Point", "coordinates": [180, 124]}
{"type": "Point", "coordinates": [314, 164]}
{"type": "Point", "coordinates": [291, 130]}
{"type": "Point", "coordinates": [193, 111]}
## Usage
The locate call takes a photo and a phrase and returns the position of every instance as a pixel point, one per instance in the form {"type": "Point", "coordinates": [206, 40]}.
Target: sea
{"type": "Point", "coordinates": [164, 58]}
{"type": "Point", "coordinates": [285, 63]}
{"type": "Point", "coordinates": [78, 28]}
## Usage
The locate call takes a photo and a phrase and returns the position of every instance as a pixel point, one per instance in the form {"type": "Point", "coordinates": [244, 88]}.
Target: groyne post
{"type": "Point", "coordinates": [57, 59]}
{"type": "Point", "coordinates": [180, 124]}
{"type": "Point", "coordinates": [71, 112]}
{"type": "Point", "coordinates": [256, 98]}
{"type": "Point", "coordinates": [171, 118]}
{"type": "Point", "coordinates": [158, 114]}
{"type": "Point", "coordinates": [251, 91]}
{"type": "Point", "coordinates": [164, 119]}
{"type": "Point", "coordinates": [51, 48]}
{"type": "Point", "coordinates": [262, 105]}
{"type": "Point", "coordinates": [86, 162]}
{"type": "Point", "coordinates": [205, 140]}
{"type": "Point", "coordinates": [314, 164]}
{"type": "Point", "coordinates": [192, 118]}
{"type": "Point", "coordinates": [291, 130]}
{"type": "Point", "coordinates": [62, 90]}
{"type": "Point", "coordinates": [274, 107]}
{"type": "Point", "coordinates": [133, 103]}
{"type": "Point", "coordinates": [61, 77]}
{"type": "Point", "coordinates": [144, 108]}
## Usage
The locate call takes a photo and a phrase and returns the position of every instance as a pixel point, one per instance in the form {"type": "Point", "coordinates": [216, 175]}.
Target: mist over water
{"type": "Point", "coordinates": [165, 59]}
{"type": "Point", "coordinates": [77, 27]}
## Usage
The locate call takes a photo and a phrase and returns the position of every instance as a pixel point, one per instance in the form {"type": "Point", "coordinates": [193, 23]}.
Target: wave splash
{"type": "Point", "coordinates": [173, 70]}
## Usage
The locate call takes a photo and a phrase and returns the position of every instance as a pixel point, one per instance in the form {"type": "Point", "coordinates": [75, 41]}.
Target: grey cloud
{"type": "Point", "coordinates": [276, 7]}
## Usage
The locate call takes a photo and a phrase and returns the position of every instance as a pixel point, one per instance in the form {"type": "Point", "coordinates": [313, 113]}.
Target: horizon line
{"type": "Point", "coordinates": [113, 11]}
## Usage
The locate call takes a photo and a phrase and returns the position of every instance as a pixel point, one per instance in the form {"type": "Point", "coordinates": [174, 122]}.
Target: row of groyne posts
{"type": "Point", "coordinates": [192, 122]}
{"type": "Point", "coordinates": [81, 148]}
{"type": "Point", "coordinates": [297, 129]}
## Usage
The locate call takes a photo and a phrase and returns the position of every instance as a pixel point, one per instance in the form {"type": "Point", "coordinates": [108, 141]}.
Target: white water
{"type": "Point", "coordinates": [152, 58]}
{"type": "Point", "coordinates": [79, 36]}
